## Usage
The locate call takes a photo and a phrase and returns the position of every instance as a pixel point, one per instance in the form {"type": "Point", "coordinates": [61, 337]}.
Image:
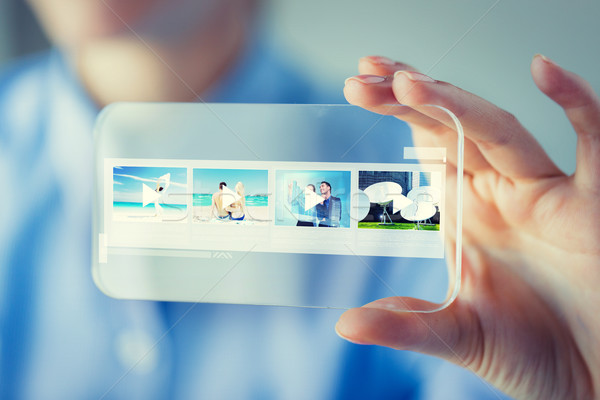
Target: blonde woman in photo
{"type": "Point", "coordinates": [237, 210]}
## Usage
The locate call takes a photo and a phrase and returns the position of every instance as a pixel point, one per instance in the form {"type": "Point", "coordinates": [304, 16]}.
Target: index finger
{"type": "Point", "coordinates": [504, 142]}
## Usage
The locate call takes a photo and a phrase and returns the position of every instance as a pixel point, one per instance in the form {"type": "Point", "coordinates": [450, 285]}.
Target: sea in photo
{"type": "Point", "coordinates": [201, 200]}
{"type": "Point", "coordinates": [149, 194]}
{"type": "Point", "coordinates": [241, 196]}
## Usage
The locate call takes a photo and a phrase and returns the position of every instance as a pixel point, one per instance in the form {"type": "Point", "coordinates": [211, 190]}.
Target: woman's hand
{"type": "Point", "coordinates": [527, 318]}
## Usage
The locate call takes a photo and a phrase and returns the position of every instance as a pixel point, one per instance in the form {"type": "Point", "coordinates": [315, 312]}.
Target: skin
{"type": "Point", "coordinates": [238, 208]}
{"type": "Point", "coordinates": [147, 50]}
{"type": "Point", "coordinates": [526, 319]}
{"type": "Point", "coordinates": [325, 191]}
{"type": "Point", "coordinates": [217, 208]}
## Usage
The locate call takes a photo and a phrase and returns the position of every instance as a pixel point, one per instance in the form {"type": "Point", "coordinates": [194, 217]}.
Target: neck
{"type": "Point", "coordinates": [139, 69]}
{"type": "Point", "coordinates": [327, 195]}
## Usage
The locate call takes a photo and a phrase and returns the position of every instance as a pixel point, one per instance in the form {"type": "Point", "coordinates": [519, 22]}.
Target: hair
{"type": "Point", "coordinates": [312, 186]}
{"type": "Point", "coordinates": [222, 184]}
{"type": "Point", "coordinates": [239, 188]}
{"type": "Point", "coordinates": [327, 183]}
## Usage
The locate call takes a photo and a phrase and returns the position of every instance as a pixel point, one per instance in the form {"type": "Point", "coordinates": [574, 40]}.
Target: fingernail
{"type": "Point", "coordinates": [366, 79]}
{"type": "Point", "coordinates": [351, 340]}
{"type": "Point", "coordinates": [545, 59]}
{"type": "Point", "coordinates": [382, 305]}
{"type": "Point", "coordinates": [381, 60]}
{"type": "Point", "coordinates": [415, 76]}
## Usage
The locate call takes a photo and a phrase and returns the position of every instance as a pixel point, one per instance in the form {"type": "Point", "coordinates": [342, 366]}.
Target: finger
{"type": "Point", "coordinates": [375, 94]}
{"type": "Point", "coordinates": [503, 141]}
{"type": "Point", "coordinates": [377, 65]}
{"type": "Point", "coordinates": [379, 323]}
{"type": "Point", "coordinates": [473, 160]}
{"type": "Point", "coordinates": [372, 70]}
{"type": "Point", "coordinates": [581, 106]}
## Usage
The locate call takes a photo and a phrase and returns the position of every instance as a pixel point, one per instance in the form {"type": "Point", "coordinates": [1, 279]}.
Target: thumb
{"type": "Point", "coordinates": [438, 334]}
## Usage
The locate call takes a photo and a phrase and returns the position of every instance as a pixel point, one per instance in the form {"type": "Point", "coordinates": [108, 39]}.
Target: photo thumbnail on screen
{"type": "Point", "coordinates": [149, 194]}
{"type": "Point", "coordinates": [403, 200]}
{"type": "Point", "coordinates": [231, 196]}
{"type": "Point", "coordinates": [312, 198]}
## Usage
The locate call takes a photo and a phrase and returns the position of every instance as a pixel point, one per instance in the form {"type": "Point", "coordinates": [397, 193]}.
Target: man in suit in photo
{"type": "Point", "coordinates": [329, 212]}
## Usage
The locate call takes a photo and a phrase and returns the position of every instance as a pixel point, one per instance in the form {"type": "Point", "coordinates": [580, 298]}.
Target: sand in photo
{"type": "Point", "coordinates": [255, 216]}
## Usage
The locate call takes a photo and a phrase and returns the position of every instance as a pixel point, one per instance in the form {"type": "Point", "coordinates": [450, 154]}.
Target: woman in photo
{"type": "Point", "coordinates": [237, 210]}
{"type": "Point", "coordinates": [296, 200]}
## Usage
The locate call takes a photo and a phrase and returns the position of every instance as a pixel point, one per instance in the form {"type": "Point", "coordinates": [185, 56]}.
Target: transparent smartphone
{"type": "Point", "coordinates": [292, 205]}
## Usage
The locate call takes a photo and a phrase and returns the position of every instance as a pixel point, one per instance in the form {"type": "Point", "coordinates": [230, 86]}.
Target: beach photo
{"type": "Point", "coordinates": [312, 198]}
{"type": "Point", "coordinates": [231, 196]}
{"type": "Point", "coordinates": [149, 194]}
{"type": "Point", "coordinates": [401, 200]}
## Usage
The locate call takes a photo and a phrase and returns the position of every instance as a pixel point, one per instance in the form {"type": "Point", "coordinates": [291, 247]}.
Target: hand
{"type": "Point", "coordinates": [527, 318]}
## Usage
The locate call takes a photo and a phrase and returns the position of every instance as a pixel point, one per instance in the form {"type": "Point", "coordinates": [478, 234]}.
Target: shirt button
{"type": "Point", "coordinates": [137, 351]}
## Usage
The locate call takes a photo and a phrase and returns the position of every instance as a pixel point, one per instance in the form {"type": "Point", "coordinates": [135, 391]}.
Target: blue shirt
{"type": "Point", "coordinates": [61, 338]}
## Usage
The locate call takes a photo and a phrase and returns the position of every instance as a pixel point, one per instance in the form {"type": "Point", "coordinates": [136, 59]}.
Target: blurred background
{"type": "Point", "coordinates": [484, 46]}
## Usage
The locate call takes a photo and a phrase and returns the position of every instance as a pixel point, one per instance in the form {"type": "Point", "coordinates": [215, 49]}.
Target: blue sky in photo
{"type": "Point", "coordinates": [128, 183]}
{"type": "Point", "coordinates": [207, 180]}
{"type": "Point", "coordinates": [340, 187]}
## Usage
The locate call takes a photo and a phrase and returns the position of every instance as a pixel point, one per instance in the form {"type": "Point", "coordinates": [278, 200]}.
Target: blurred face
{"type": "Point", "coordinates": [325, 189]}
{"type": "Point", "coordinates": [72, 23]}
